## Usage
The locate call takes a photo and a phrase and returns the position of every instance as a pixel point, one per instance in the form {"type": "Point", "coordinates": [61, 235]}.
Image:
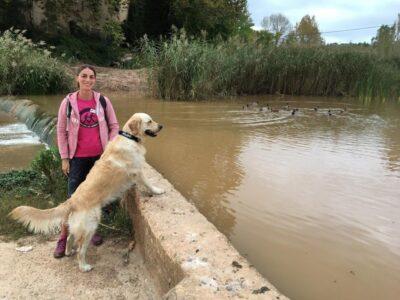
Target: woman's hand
{"type": "Point", "coordinates": [65, 166]}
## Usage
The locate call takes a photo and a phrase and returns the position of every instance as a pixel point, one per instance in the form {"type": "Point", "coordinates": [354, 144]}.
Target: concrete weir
{"type": "Point", "coordinates": [186, 255]}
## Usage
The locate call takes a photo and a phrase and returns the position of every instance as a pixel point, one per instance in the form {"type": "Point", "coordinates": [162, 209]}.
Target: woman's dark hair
{"type": "Point", "coordinates": [83, 67]}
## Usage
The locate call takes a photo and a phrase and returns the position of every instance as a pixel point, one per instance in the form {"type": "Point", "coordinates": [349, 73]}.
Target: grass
{"type": "Point", "coordinates": [44, 186]}
{"type": "Point", "coordinates": [189, 69]}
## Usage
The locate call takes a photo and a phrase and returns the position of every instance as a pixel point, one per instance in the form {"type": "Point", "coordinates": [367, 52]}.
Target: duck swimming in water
{"type": "Point", "coordinates": [287, 106]}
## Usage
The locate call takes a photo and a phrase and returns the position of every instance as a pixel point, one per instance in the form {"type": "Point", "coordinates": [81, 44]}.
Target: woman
{"type": "Point", "coordinates": [86, 122]}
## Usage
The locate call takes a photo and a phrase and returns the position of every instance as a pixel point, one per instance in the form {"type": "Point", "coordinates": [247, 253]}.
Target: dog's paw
{"type": "Point", "coordinates": [157, 191]}
{"type": "Point", "coordinates": [70, 253]}
{"type": "Point", "coordinates": [85, 268]}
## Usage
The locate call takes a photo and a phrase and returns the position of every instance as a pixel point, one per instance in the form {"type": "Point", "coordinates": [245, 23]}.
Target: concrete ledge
{"type": "Point", "coordinates": [189, 257]}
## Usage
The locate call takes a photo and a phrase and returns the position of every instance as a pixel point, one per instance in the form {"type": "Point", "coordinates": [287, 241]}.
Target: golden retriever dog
{"type": "Point", "coordinates": [119, 167]}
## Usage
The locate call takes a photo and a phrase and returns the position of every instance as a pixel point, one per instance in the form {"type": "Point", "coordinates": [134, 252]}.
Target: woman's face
{"type": "Point", "coordinates": [86, 79]}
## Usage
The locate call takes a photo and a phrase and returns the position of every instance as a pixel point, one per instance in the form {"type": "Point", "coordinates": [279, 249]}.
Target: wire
{"type": "Point", "coordinates": [353, 29]}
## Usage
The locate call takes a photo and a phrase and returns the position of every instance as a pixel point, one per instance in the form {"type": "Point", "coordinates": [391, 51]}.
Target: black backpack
{"type": "Point", "coordinates": [103, 103]}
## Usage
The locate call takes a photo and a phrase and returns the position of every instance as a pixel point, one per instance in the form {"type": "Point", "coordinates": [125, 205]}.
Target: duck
{"type": "Point", "coordinates": [294, 112]}
{"type": "Point", "coordinates": [329, 112]}
{"type": "Point", "coordinates": [287, 106]}
{"type": "Point", "coordinates": [253, 104]}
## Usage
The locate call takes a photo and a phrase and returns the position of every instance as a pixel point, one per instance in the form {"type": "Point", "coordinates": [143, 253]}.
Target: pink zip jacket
{"type": "Point", "coordinates": [67, 128]}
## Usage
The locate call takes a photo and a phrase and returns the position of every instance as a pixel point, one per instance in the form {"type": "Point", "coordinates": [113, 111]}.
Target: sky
{"type": "Point", "coordinates": [332, 15]}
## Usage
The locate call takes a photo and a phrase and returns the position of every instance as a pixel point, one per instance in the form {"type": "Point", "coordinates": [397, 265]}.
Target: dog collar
{"type": "Point", "coordinates": [129, 136]}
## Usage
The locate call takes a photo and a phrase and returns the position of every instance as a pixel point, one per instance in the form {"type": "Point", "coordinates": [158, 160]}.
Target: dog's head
{"type": "Point", "coordinates": [141, 124]}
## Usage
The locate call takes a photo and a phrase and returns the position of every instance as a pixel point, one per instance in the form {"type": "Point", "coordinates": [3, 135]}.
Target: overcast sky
{"type": "Point", "coordinates": [332, 15]}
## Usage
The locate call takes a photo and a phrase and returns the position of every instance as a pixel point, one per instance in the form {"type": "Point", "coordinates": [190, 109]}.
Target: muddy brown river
{"type": "Point", "coordinates": [311, 199]}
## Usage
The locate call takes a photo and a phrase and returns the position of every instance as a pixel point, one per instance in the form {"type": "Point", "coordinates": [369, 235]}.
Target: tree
{"type": "Point", "coordinates": [278, 25]}
{"type": "Point", "coordinates": [216, 17]}
{"type": "Point", "coordinates": [150, 17]}
{"type": "Point", "coordinates": [385, 40]}
{"type": "Point", "coordinates": [307, 32]}
{"type": "Point", "coordinates": [13, 14]}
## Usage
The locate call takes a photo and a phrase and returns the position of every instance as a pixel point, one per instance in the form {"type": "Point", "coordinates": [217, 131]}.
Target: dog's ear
{"type": "Point", "coordinates": [135, 126]}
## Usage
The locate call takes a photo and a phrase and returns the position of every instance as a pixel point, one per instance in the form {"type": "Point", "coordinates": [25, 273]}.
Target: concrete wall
{"type": "Point", "coordinates": [190, 258]}
{"type": "Point", "coordinates": [40, 122]}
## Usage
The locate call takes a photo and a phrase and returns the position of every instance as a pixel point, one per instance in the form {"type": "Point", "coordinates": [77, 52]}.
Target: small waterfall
{"type": "Point", "coordinates": [40, 122]}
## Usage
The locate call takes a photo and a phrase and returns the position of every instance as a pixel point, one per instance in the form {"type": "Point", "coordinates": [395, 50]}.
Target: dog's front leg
{"type": "Point", "coordinates": [70, 244]}
{"type": "Point", "coordinates": [151, 188]}
{"type": "Point", "coordinates": [84, 243]}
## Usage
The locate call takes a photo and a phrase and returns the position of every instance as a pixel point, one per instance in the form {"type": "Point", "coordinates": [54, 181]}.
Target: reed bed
{"type": "Point", "coordinates": [28, 68]}
{"type": "Point", "coordinates": [189, 69]}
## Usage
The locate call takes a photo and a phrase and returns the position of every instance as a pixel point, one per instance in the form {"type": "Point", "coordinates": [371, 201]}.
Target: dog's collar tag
{"type": "Point", "coordinates": [129, 136]}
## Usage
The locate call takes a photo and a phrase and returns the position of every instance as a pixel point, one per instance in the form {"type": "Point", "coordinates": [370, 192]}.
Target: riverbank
{"type": "Point", "coordinates": [113, 79]}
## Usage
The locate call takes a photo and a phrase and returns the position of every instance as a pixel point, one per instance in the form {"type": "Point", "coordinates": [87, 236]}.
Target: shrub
{"type": "Point", "coordinates": [47, 164]}
{"type": "Point", "coordinates": [28, 68]}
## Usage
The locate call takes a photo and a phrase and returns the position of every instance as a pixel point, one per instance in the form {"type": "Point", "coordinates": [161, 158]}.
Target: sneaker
{"type": "Point", "coordinates": [97, 240]}
{"type": "Point", "coordinates": [60, 249]}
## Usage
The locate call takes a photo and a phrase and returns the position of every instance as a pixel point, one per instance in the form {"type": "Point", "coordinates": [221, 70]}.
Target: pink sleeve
{"type": "Point", "coordinates": [62, 134]}
{"type": "Point", "coordinates": [113, 125]}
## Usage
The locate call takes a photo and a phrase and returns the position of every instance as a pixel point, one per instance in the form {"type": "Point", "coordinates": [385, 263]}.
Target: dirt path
{"type": "Point", "coordinates": [36, 274]}
{"type": "Point", "coordinates": [113, 79]}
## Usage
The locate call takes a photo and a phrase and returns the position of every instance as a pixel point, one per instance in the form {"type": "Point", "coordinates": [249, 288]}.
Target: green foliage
{"type": "Point", "coordinates": [147, 17]}
{"type": "Point", "coordinates": [28, 68]}
{"type": "Point", "coordinates": [20, 188]}
{"type": "Point", "coordinates": [88, 49]}
{"type": "Point", "coordinates": [186, 68]}
{"type": "Point", "coordinates": [14, 179]}
{"type": "Point", "coordinates": [116, 221]}
{"type": "Point", "coordinates": [386, 41]}
{"type": "Point", "coordinates": [216, 17]}
{"type": "Point", "coordinates": [114, 34]}
{"type": "Point", "coordinates": [47, 164]}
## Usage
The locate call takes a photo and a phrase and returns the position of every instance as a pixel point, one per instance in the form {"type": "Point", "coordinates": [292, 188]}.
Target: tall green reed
{"type": "Point", "coordinates": [184, 68]}
{"type": "Point", "coordinates": [28, 68]}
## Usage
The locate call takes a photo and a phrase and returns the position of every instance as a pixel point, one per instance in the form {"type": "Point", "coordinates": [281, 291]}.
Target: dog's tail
{"type": "Point", "coordinates": [41, 220]}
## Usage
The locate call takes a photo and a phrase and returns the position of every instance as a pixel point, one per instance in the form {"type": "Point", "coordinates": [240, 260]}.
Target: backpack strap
{"type": "Point", "coordinates": [103, 103]}
{"type": "Point", "coordinates": [69, 108]}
